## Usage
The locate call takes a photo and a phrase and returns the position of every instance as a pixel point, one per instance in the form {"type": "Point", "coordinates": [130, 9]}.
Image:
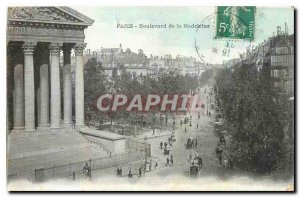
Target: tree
{"type": "Point", "coordinates": [95, 84]}
{"type": "Point", "coordinates": [206, 76]}
{"type": "Point", "coordinates": [251, 119]}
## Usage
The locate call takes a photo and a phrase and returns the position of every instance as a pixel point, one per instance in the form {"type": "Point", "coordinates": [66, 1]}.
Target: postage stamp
{"type": "Point", "coordinates": [235, 22]}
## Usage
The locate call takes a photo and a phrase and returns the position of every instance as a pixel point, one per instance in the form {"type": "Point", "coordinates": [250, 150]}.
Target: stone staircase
{"type": "Point", "coordinates": [91, 139]}
{"type": "Point", "coordinates": [43, 149]}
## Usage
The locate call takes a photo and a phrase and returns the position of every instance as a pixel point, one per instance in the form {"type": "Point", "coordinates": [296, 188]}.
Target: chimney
{"type": "Point", "coordinates": [278, 30]}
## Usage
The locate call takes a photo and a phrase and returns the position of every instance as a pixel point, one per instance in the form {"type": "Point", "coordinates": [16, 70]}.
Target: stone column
{"type": "Point", "coordinates": [18, 97]}
{"type": "Point", "coordinates": [79, 84]}
{"type": "Point", "coordinates": [55, 85]}
{"type": "Point", "coordinates": [67, 80]}
{"type": "Point", "coordinates": [44, 96]}
{"type": "Point", "coordinates": [28, 48]}
{"type": "Point", "coordinates": [38, 106]}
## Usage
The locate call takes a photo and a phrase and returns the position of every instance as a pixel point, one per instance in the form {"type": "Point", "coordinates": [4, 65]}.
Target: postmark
{"type": "Point", "coordinates": [225, 44]}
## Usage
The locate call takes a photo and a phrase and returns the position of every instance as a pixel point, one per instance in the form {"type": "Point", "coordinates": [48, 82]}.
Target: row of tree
{"type": "Point", "coordinates": [252, 118]}
{"type": "Point", "coordinates": [206, 77]}
{"type": "Point", "coordinates": [98, 83]}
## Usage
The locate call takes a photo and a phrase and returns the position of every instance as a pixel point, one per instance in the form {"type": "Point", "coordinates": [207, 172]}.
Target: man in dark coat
{"type": "Point", "coordinates": [168, 161]}
{"type": "Point", "coordinates": [172, 160]}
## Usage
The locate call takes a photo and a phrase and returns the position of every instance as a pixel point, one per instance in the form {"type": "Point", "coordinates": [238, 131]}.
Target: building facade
{"type": "Point", "coordinates": [36, 39]}
{"type": "Point", "coordinates": [282, 64]}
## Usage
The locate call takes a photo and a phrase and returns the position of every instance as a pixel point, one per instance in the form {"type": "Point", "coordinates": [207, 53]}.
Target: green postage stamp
{"type": "Point", "coordinates": [236, 22]}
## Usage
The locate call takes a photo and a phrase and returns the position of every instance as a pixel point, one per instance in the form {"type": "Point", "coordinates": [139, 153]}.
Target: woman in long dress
{"type": "Point", "coordinates": [237, 26]}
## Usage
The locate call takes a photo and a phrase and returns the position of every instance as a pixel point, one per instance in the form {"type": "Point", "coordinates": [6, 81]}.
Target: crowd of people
{"type": "Point", "coordinates": [142, 169]}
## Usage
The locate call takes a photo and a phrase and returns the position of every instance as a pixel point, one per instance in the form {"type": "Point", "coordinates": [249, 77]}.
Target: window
{"type": "Point", "coordinates": [275, 73]}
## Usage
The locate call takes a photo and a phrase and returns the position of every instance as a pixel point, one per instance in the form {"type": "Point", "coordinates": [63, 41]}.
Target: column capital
{"type": "Point", "coordinates": [79, 48]}
{"type": "Point", "coordinates": [28, 47]}
{"type": "Point", "coordinates": [55, 48]}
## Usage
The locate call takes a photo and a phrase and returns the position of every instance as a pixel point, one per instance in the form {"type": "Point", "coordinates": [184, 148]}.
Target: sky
{"type": "Point", "coordinates": [104, 32]}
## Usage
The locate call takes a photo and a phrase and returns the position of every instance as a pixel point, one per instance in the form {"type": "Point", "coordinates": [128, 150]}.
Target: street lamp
{"type": "Point", "coordinates": [161, 119]}
{"type": "Point", "coordinates": [206, 106]}
{"type": "Point", "coordinates": [90, 168]}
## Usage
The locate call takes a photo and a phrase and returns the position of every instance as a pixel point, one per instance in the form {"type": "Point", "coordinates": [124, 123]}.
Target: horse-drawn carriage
{"type": "Point", "coordinates": [196, 165]}
{"type": "Point", "coordinates": [166, 151]}
{"type": "Point", "coordinates": [194, 170]}
{"type": "Point", "coordinates": [190, 143]}
{"type": "Point", "coordinates": [172, 138]}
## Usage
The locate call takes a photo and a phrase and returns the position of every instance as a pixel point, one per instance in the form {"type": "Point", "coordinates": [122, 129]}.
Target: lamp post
{"type": "Point", "coordinates": [206, 106]}
{"type": "Point", "coordinates": [161, 119]}
{"type": "Point", "coordinates": [90, 168]}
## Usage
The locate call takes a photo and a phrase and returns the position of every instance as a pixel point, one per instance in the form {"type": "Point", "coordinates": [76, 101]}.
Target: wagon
{"type": "Point", "coordinates": [166, 151]}
{"type": "Point", "coordinates": [189, 143]}
{"type": "Point", "coordinates": [194, 170]}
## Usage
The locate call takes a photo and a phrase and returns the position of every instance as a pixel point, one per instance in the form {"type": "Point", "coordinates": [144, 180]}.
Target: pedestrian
{"type": "Point", "coordinates": [150, 166]}
{"type": "Point", "coordinates": [200, 162]}
{"type": "Point", "coordinates": [225, 163]}
{"type": "Point", "coordinates": [185, 130]}
{"type": "Point", "coordinates": [118, 171]}
{"type": "Point", "coordinates": [220, 159]}
{"type": "Point", "coordinates": [222, 139]}
{"type": "Point", "coordinates": [161, 144]}
{"type": "Point", "coordinates": [196, 143]}
{"type": "Point", "coordinates": [86, 170]}
{"type": "Point", "coordinates": [172, 160]}
{"type": "Point", "coordinates": [90, 172]}
{"type": "Point", "coordinates": [156, 164]}
{"type": "Point", "coordinates": [180, 123]}
{"type": "Point", "coordinates": [166, 144]}
{"type": "Point", "coordinates": [197, 126]}
{"type": "Point", "coordinates": [129, 173]}
{"type": "Point", "coordinates": [168, 161]}
{"type": "Point", "coordinates": [140, 172]}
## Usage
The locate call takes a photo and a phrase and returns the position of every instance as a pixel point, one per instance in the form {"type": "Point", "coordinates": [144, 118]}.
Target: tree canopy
{"type": "Point", "coordinates": [252, 118]}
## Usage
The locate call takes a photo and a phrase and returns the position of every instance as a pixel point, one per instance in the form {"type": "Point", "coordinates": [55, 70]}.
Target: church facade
{"type": "Point", "coordinates": [38, 95]}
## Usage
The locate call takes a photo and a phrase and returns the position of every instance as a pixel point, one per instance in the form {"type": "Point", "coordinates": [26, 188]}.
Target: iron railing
{"type": "Point", "coordinates": [75, 169]}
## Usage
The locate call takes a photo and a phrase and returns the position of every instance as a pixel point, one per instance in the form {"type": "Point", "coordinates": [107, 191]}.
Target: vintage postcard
{"type": "Point", "coordinates": [150, 98]}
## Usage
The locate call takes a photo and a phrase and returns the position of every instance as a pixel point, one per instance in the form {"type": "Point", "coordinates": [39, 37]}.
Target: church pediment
{"type": "Point", "coordinates": [60, 15]}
